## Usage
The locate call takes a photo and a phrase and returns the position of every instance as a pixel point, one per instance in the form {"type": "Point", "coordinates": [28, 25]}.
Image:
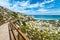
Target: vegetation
{"type": "Point", "coordinates": [15, 15]}
{"type": "Point", "coordinates": [33, 29]}
{"type": "Point", "coordinates": [1, 17]}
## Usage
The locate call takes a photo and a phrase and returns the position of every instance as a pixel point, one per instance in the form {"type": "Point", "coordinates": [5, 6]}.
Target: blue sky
{"type": "Point", "coordinates": [33, 7]}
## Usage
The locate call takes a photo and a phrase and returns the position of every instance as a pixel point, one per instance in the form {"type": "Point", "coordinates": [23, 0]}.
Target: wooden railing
{"type": "Point", "coordinates": [5, 21]}
{"type": "Point", "coordinates": [2, 22]}
{"type": "Point", "coordinates": [12, 28]}
{"type": "Point", "coordinates": [19, 35]}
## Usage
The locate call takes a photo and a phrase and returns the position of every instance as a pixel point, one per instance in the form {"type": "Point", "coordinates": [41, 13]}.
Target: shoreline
{"type": "Point", "coordinates": [45, 19]}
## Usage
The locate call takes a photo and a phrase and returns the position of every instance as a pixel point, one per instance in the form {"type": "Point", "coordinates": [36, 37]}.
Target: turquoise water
{"type": "Point", "coordinates": [47, 17]}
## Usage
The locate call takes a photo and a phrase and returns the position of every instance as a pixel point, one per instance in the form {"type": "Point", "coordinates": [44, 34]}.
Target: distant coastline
{"type": "Point", "coordinates": [46, 17]}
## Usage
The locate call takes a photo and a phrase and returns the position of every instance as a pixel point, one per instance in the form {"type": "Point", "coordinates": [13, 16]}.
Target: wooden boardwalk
{"type": "Point", "coordinates": [4, 32]}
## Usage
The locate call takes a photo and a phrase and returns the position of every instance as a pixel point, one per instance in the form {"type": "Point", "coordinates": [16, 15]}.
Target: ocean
{"type": "Point", "coordinates": [47, 17]}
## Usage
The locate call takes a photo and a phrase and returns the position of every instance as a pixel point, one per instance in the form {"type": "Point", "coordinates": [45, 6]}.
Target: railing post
{"type": "Point", "coordinates": [19, 32]}
{"type": "Point", "coordinates": [12, 35]}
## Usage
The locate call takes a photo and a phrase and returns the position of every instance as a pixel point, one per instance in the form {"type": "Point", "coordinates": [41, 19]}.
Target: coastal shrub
{"type": "Point", "coordinates": [1, 17]}
{"type": "Point", "coordinates": [35, 33]}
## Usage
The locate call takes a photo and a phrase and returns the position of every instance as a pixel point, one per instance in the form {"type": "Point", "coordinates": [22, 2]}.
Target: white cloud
{"type": "Point", "coordinates": [42, 10]}
{"type": "Point", "coordinates": [49, 1]}
{"type": "Point", "coordinates": [43, 3]}
{"type": "Point", "coordinates": [5, 3]}
{"type": "Point", "coordinates": [23, 5]}
{"type": "Point", "coordinates": [45, 12]}
{"type": "Point", "coordinates": [34, 5]}
{"type": "Point", "coordinates": [26, 4]}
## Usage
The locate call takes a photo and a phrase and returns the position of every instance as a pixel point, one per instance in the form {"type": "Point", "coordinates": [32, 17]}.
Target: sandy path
{"type": "Point", "coordinates": [4, 32]}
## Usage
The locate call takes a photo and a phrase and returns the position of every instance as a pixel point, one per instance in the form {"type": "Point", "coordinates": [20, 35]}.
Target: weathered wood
{"type": "Point", "coordinates": [20, 33]}
{"type": "Point", "coordinates": [12, 30]}
{"type": "Point", "coordinates": [13, 27]}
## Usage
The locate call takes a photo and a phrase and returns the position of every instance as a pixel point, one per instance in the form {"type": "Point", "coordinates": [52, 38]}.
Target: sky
{"type": "Point", "coordinates": [33, 7]}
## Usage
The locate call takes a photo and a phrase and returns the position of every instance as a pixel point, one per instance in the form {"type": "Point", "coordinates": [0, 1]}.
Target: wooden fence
{"type": "Point", "coordinates": [15, 33]}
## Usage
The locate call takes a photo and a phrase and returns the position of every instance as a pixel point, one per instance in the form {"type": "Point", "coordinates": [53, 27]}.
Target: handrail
{"type": "Point", "coordinates": [5, 21]}
{"type": "Point", "coordinates": [19, 32]}
{"type": "Point", "coordinates": [11, 33]}
{"type": "Point", "coordinates": [2, 22]}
